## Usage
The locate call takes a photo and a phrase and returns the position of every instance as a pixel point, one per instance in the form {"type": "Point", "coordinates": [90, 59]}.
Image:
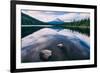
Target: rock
{"type": "Point", "coordinates": [60, 45]}
{"type": "Point", "coordinates": [45, 54]}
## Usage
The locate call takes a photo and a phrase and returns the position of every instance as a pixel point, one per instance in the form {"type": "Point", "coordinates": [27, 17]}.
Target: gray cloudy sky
{"type": "Point", "coordinates": [47, 16]}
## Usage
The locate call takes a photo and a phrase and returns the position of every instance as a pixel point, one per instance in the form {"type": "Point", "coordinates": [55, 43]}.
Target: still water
{"type": "Point", "coordinates": [78, 33]}
{"type": "Point", "coordinates": [28, 30]}
{"type": "Point", "coordinates": [79, 37]}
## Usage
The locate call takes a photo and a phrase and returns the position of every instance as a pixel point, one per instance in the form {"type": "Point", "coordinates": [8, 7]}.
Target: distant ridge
{"type": "Point", "coordinates": [56, 21]}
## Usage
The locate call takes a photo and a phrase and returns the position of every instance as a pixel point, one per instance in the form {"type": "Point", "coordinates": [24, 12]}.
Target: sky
{"type": "Point", "coordinates": [48, 16]}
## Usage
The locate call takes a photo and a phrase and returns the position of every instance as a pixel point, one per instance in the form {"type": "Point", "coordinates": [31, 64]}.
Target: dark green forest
{"type": "Point", "coordinates": [84, 23]}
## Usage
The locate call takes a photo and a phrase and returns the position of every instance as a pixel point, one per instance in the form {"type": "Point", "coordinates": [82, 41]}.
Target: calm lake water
{"type": "Point", "coordinates": [28, 30]}
{"type": "Point", "coordinates": [78, 36]}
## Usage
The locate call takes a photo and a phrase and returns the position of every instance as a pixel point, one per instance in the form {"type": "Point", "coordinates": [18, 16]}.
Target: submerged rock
{"type": "Point", "coordinates": [60, 45]}
{"type": "Point", "coordinates": [45, 54]}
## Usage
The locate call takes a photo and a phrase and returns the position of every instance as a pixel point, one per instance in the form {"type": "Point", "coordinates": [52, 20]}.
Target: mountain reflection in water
{"type": "Point", "coordinates": [76, 46]}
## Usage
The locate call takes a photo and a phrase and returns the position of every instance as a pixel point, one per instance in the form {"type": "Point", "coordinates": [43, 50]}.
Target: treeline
{"type": "Point", "coordinates": [83, 22]}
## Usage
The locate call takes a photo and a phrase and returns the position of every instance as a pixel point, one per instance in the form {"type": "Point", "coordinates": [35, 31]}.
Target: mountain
{"type": "Point", "coordinates": [56, 21]}
{"type": "Point", "coordinates": [28, 20]}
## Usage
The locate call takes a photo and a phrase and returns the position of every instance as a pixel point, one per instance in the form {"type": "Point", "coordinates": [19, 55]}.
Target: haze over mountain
{"type": "Point", "coordinates": [56, 21]}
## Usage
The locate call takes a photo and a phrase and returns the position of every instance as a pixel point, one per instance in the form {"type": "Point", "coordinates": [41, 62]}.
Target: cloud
{"type": "Point", "coordinates": [84, 15]}
{"type": "Point", "coordinates": [68, 17]}
{"type": "Point", "coordinates": [47, 16]}
{"type": "Point", "coordinates": [54, 12]}
{"type": "Point", "coordinates": [74, 16]}
{"type": "Point", "coordinates": [42, 16]}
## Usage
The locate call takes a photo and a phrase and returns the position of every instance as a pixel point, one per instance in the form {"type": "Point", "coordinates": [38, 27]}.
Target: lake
{"type": "Point", "coordinates": [28, 30]}
{"type": "Point", "coordinates": [77, 41]}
